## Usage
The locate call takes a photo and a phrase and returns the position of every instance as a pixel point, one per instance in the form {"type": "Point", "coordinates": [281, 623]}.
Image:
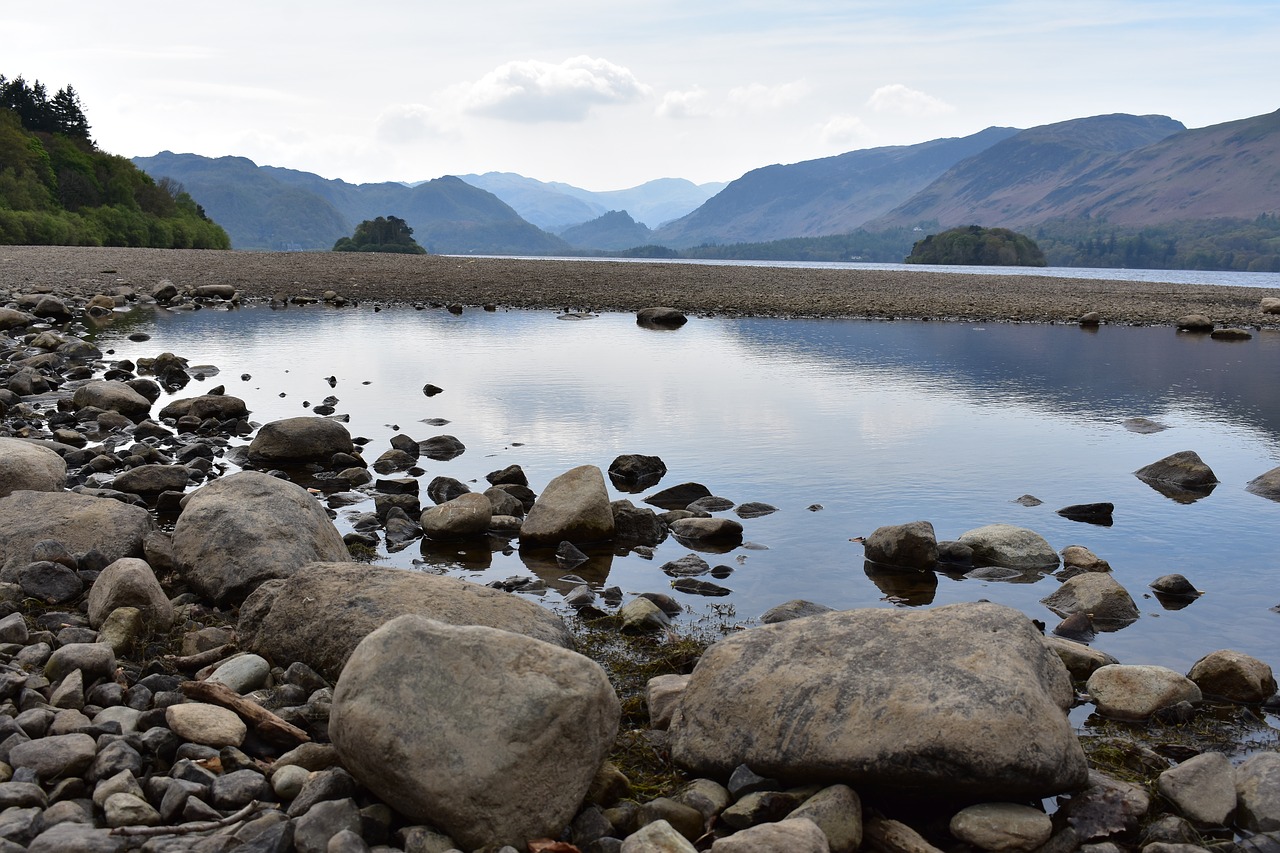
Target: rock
{"type": "Point", "coordinates": [319, 615]}
{"type": "Point", "coordinates": [1174, 586]}
{"type": "Point", "coordinates": [1184, 471]}
{"type": "Point", "coordinates": [220, 407]}
{"type": "Point", "coordinates": [127, 809]}
{"type": "Point", "coordinates": [795, 609]}
{"type": "Point", "coordinates": [444, 489]}
{"type": "Point", "coordinates": [1080, 557]}
{"type": "Point", "coordinates": [463, 517]}
{"type": "Point", "coordinates": [79, 522]}
{"type": "Point", "coordinates": [417, 692]}
{"type": "Point", "coordinates": [1095, 513]}
{"type": "Point", "coordinates": [714, 532]}
{"type": "Point", "coordinates": [1011, 547]}
{"type": "Point", "coordinates": [1194, 323]}
{"type": "Point", "coordinates": [661, 696]}
{"type": "Point", "coordinates": [11, 318]}
{"type": "Point", "coordinates": [685, 819]}
{"type": "Point", "coordinates": [795, 835]}
{"type": "Point", "coordinates": [690, 565]}
{"type": "Point", "coordinates": [1129, 692]}
{"type": "Point", "coordinates": [894, 700]}
{"type": "Point", "coordinates": [113, 397]}
{"type": "Point", "coordinates": [25, 466]}
{"type": "Point", "coordinates": [1266, 485]}
{"type": "Point", "coordinates": [891, 836]}
{"type": "Point", "coordinates": [1143, 426]}
{"type": "Point", "coordinates": [244, 529]}
{"type": "Point", "coordinates": [1233, 676]}
{"type": "Point", "coordinates": [95, 660]}
{"type": "Point", "coordinates": [55, 756]}
{"type": "Point", "coordinates": [1002, 827]}
{"type": "Point", "coordinates": [1269, 305]}
{"type": "Point", "coordinates": [634, 472]}
{"type": "Point", "coordinates": [130, 582]}
{"type": "Point", "coordinates": [298, 440]}
{"type": "Point", "coordinates": [640, 615]}
{"type": "Point", "coordinates": [1090, 319]}
{"type": "Point", "coordinates": [243, 673]}
{"type": "Point", "coordinates": [1080, 660]}
{"type": "Point", "coordinates": [1097, 594]}
{"type": "Point", "coordinates": [512, 475]}
{"type": "Point", "coordinates": [837, 811]}
{"type": "Point", "coordinates": [52, 583]}
{"type": "Point", "coordinates": [442, 448]}
{"type": "Point", "coordinates": [210, 725]}
{"type": "Point", "coordinates": [754, 509]}
{"type": "Point", "coordinates": [678, 497]}
{"type": "Point", "coordinates": [574, 507]}
{"type": "Point", "coordinates": [1258, 792]}
{"type": "Point", "coordinates": [1231, 334]}
{"type": "Point", "coordinates": [1202, 789]}
{"type": "Point", "coordinates": [903, 546]}
{"type": "Point", "coordinates": [314, 830]}
{"type": "Point", "coordinates": [634, 525]}
{"type": "Point", "coordinates": [152, 479]}
{"type": "Point", "coordinates": [660, 318]}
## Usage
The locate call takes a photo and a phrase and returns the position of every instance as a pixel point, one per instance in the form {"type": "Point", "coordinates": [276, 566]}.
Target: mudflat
{"type": "Point", "coordinates": [628, 286]}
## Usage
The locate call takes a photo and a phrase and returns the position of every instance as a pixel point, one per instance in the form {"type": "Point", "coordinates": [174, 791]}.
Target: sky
{"type": "Point", "coordinates": [609, 95]}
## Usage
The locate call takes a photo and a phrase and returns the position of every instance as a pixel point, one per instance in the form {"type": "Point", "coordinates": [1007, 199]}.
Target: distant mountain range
{"type": "Point", "coordinates": [1121, 170]}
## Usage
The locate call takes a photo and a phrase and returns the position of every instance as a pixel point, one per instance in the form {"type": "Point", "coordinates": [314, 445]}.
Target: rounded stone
{"type": "Point", "coordinates": [1002, 826]}
{"type": "Point", "coordinates": [206, 724]}
{"type": "Point", "coordinates": [1130, 692]}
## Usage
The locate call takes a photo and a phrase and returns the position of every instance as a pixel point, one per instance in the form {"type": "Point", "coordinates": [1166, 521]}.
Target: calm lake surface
{"type": "Point", "coordinates": [877, 422]}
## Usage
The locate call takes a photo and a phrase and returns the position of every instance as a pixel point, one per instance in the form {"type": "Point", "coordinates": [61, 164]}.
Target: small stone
{"type": "Point", "coordinates": [287, 781]}
{"type": "Point", "coordinates": [1002, 827]}
{"type": "Point", "coordinates": [126, 809]}
{"type": "Point", "coordinates": [243, 673]}
{"type": "Point", "coordinates": [657, 837]}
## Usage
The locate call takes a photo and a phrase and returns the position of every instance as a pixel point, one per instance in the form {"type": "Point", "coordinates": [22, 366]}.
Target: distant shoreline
{"type": "Point", "coordinates": [601, 285]}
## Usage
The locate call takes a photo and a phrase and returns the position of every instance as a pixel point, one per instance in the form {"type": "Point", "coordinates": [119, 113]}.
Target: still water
{"type": "Point", "coordinates": [876, 422]}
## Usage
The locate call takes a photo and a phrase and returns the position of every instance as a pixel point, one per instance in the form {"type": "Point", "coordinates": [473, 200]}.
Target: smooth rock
{"type": "Point", "coordinates": [1011, 547]}
{"type": "Point", "coordinates": [1266, 485]}
{"type": "Point", "coordinates": [1258, 792]}
{"type": "Point", "coordinates": [574, 507]}
{"type": "Point", "coordinates": [837, 810]}
{"type": "Point", "coordinates": [904, 546]}
{"type": "Point", "coordinates": [1099, 595]}
{"type": "Point", "coordinates": [55, 756]}
{"type": "Point", "coordinates": [657, 837]}
{"type": "Point", "coordinates": [662, 695]}
{"type": "Point", "coordinates": [1080, 660]}
{"type": "Point", "coordinates": [25, 466]}
{"type": "Point", "coordinates": [206, 724]}
{"type": "Point", "coordinates": [795, 609]}
{"type": "Point", "coordinates": [1234, 676]}
{"type": "Point", "coordinates": [1135, 692]}
{"type": "Point", "coordinates": [113, 397]}
{"type": "Point", "coordinates": [712, 531]}
{"type": "Point", "coordinates": [1080, 557]}
{"type": "Point", "coordinates": [243, 673]}
{"type": "Point", "coordinates": [661, 318]}
{"type": "Point", "coordinates": [795, 835]}
{"type": "Point", "coordinates": [1202, 789]}
{"type": "Point", "coordinates": [1002, 827]}
{"type": "Point", "coordinates": [299, 440]}
{"type": "Point", "coordinates": [1185, 470]}
{"type": "Point", "coordinates": [130, 582]}
{"type": "Point", "coordinates": [79, 522]}
{"type": "Point", "coordinates": [634, 472]}
{"type": "Point", "coordinates": [463, 517]}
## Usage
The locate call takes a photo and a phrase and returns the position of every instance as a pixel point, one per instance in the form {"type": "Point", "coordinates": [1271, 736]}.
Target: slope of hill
{"type": "Point", "coordinates": [1014, 182]}
{"type": "Point", "coordinates": [264, 207]}
{"type": "Point", "coordinates": [556, 206]}
{"type": "Point", "coordinates": [833, 195]}
{"type": "Point", "coordinates": [612, 232]}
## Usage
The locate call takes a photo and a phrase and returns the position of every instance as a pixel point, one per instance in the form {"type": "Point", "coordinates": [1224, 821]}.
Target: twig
{"type": "Point", "coordinates": [195, 826]}
{"type": "Point", "coordinates": [201, 659]}
{"type": "Point", "coordinates": [267, 724]}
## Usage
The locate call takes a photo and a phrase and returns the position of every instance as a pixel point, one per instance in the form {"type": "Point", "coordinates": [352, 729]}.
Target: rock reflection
{"type": "Point", "coordinates": [910, 588]}
{"type": "Point", "coordinates": [473, 554]}
{"type": "Point", "coordinates": [543, 563]}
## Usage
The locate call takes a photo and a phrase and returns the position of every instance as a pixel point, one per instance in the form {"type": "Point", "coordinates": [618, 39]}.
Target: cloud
{"type": "Point", "coordinates": [691, 103]}
{"type": "Point", "coordinates": [534, 91]}
{"type": "Point", "coordinates": [900, 99]}
{"type": "Point", "coordinates": [758, 96]}
{"type": "Point", "coordinates": [844, 130]}
{"type": "Point", "coordinates": [407, 123]}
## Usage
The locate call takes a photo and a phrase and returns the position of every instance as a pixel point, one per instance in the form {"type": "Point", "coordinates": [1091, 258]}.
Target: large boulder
{"type": "Point", "coordinates": [221, 407]}
{"type": "Point", "coordinates": [241, 530]}
{"type": "Point", "coordinates": [515, 728]}
{"type": "Point", "coordinates": [959, 701]}
{"type": "Point", "coordinates": [1266, 485]}
{"type": "Point", "coordinates": [25, 466]}
{"type": "Point", "coordinates": [1011, 547]}
{"type": "Point", "coordinates": [299, 440]}
{"type": "Point", "coordinates": [904, 546]}
{"type": "Point", "coordinates": [1179, 474]}
{"type": "Point", "coordinates": [463, 517]}
{"type": "Point", "coordinates": [319, 615]}
{"type": "Point", "coordinates": [152, 479]}
{"type": "Point", "coordinates": [1234, 676]}
{"type": "Point", "coordinates": [1097, 594]}
{"type": "Point", "coordinates": [130, 582]}
{"type": "Point", "coordinates": [80, 522]}
{"type": "Point", "coordinates": [574, 507]}
{"type": "Point", "coordinates": [114, 397]}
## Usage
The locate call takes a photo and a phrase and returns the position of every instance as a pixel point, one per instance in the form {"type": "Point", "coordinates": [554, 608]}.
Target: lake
{"type": "Point", "coordinates": [876, 422]}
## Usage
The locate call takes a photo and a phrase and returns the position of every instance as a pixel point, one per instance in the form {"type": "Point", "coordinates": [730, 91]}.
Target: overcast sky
{"type": "Point", "coordinates": [608, 95]}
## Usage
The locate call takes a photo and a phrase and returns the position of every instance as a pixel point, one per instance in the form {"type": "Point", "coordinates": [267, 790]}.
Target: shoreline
{"type": "Point", "coordinates": [603, 285]}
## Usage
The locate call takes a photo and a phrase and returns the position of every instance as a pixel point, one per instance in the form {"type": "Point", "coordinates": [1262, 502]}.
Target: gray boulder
{"type": "Point", "coordinates": [241, 530]}
{"type": "Point", "coordinates": [324, 610]}
{"type": "Point", "coordinates": [220, 407]}
{"type": "Point", "coordinates": [891, 700]}
{"type": "Point", "coordinates": [79, 522]}
{"type": "Point", "coordinates": [130, 582]}
{"type": "Point", "coordinates": [714, 532]}
{"type": "Point", "coordinates": [633, 472]}
{"type": "Point", "coordinates": [522, 726]}
{"type": "Point", "coordinates": [25, 466]}
{"type": "Point", "coordinates": [1202, 788]}
{"type": "Point", "coordinates": [152, 479]}
{"type": "Point", "coordinates": [1011, 547]}
{"type": "Point", "coordinates": [463, 517]}
{"type": "Point", "coordinates": [1234, 676]}
{"type": "Point", "coordinates": [1194, 323]}
{"type": "Point", "coordinates": [299, 440]}
{"type": "Point", "coordinates": [1097, 594]}
{"type": "Point", "coordinates": [1266, 485]}
{"type": "Point", "coordinates": [1258, 792]}
{"type": "Point", "coordinates": [633, 525]}
{"type": "Point", "coordinates": [1179, 473]}
{"type": "Point", "coordinates": [574, 507]}
{"type": "Point", "coordinates": [904, 546]}
{"type": "Point", "coordinates": [113, 397]}
{"type": "Point", "coordinates": [1135, 692]}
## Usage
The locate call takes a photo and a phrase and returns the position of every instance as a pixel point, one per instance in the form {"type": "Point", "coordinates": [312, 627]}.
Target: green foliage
{"type": "Point", "coordinates": [1244, 245]}
{"type": "Point", "coordinates": [881, 247]}
{"type": "Point", "coordinates": [56, 188]}
{"type": "Point", "coordinates": [384, 234]}
{"type": "Point", "coordinates": [974, 245]}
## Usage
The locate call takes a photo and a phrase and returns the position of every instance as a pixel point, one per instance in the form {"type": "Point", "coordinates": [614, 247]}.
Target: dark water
{"type": "Point", "coordinates": [879, 423]}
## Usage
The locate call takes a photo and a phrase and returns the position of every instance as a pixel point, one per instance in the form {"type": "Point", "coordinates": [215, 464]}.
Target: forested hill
{"type": "Point", "coordinates": [57, 188]}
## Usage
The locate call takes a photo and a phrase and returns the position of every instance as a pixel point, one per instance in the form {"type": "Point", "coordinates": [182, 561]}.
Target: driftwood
{"type": "Point", "coordinates": [265, 723]}
{"type": "Point", "coordinates": [195, 826]}
{"type": "Point", "coordinates": [202, 659]}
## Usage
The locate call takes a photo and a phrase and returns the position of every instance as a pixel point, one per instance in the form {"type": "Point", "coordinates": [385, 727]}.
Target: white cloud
{"type": "Point", "coordinates": [533, 91]}
{"type": "Point", "coordinates": [758, 96]}
{"type": "Point", "coordinates": [690, 103]}
{"type": "Point", "coordinates": [407, 123]}
{"type": "Point", "coordinates": [844, 130]}
{"type": "Point", "coordinates": [900, 99]}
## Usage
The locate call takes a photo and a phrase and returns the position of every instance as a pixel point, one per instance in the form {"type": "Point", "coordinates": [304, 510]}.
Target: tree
{"type": "Point", "coordinates": [384, 234]}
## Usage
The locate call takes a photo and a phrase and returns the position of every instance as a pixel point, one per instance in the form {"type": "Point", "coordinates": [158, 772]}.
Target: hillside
{"type": "Point", "coordinates": [832, 195]}
{"type": "Point", "coordinates": [614, 231]}
{"type": "Point", "coordinates": [1017, 181]}
{"type": "Point", "coordinates": [265, 207]}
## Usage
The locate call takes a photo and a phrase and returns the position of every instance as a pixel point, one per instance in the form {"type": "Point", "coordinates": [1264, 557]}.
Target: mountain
{"type": "Point", "coordinates": [265, 207]}
{"type": "Point", "coordinates": [1016, 182]}
{"type": "Point", "coordinates": [556, 206]}
{"type": "Point", "coordinates": [614, 231]}
{"type": "Point", "coordinates": [832, 195]}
